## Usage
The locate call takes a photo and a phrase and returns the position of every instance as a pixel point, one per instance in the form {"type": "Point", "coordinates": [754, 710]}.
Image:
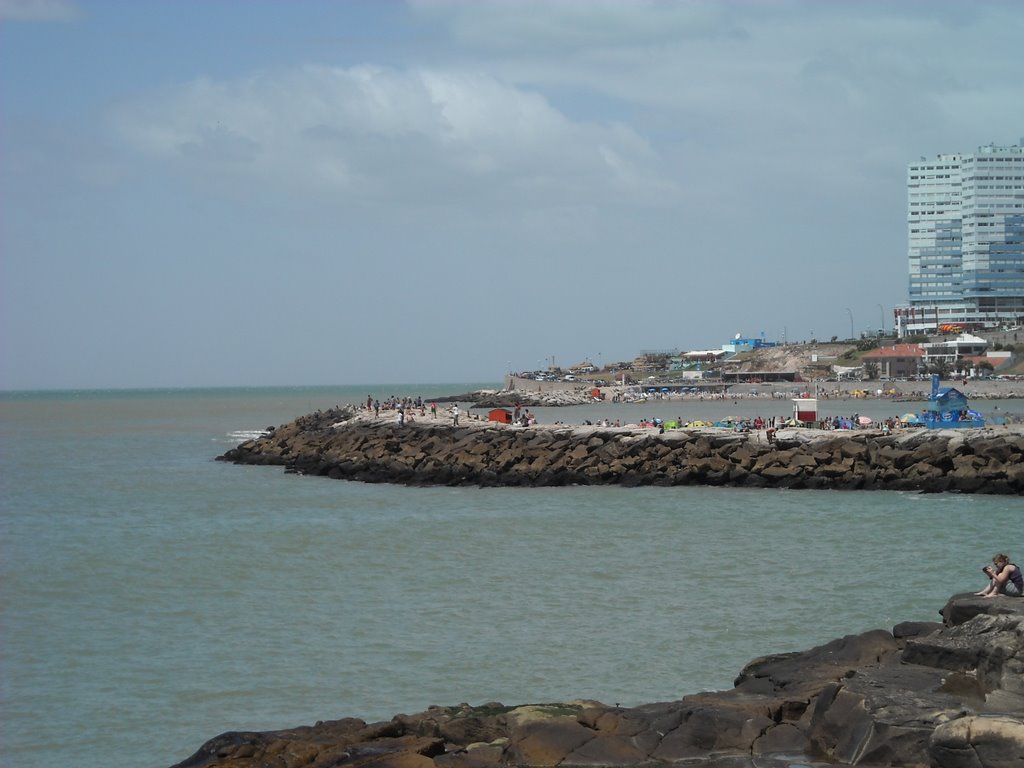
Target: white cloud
{"type": "Point", "coordinates": [38, 10]}
{"type": "Point", "coordinates": [817, 68]}
{"type": "Point", "coordinates": [569, 25]}
{"type": "Point", "coordinates": [390, 133]}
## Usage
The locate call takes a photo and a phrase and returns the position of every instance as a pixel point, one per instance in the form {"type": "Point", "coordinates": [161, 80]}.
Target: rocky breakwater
{"type": "Point", "coordinates": [947, 695]}
{"type": "Point", "coordinates": [551, 394]}
{"type": "Point", "coordinates": [550, 398]}
{"type": "Point", "coordinates": [338, 444]}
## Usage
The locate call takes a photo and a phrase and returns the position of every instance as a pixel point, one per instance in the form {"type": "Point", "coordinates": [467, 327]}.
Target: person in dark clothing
{"type": "Point", "coordinates": [1005, 578]}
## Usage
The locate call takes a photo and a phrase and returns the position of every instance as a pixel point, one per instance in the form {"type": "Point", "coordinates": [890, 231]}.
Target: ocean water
{"type": "Point", "coordinates": [153, 598]}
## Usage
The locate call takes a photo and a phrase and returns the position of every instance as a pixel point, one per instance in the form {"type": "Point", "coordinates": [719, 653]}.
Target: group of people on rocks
{"type": "Point", "coordinates": [522, 417]}
{"type": "Point", "coordinates": [406, 407]}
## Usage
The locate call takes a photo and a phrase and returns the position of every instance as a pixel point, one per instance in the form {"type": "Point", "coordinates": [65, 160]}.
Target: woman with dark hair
{"type": "Point", "coordinates": [1005, 578]}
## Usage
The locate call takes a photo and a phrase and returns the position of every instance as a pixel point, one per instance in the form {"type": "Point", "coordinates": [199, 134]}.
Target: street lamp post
{"type": "Point", "coordinates": [852, 334]}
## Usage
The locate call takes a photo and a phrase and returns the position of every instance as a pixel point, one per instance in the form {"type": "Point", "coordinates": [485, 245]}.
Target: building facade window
{"type": "Point", "coordinates": [965, 235]}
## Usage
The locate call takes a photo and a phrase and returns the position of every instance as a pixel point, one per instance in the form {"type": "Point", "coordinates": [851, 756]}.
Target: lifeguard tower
{"type": "Point", "coordinates": [805, 411]}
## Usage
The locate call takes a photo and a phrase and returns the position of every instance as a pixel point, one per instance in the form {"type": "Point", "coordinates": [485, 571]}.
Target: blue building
{"type": "Point", "coordinates": [740, 344]}
{"type": "Point", "coordinates": [947, 409]}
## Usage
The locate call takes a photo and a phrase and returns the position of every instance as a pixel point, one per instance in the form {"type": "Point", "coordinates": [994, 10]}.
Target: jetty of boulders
{"type": "Point", "coordinates": [945, 695]}
{"type": "Point", "coordinates": [344, 444]}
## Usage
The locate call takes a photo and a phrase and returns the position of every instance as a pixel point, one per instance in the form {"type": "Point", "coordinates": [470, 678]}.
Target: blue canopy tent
{"type": "Point", "coordinates": [947, 409]}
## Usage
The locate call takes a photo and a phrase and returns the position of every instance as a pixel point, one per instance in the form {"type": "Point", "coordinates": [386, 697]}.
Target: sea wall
{"type": "Point", "coordinates": [334, 444]}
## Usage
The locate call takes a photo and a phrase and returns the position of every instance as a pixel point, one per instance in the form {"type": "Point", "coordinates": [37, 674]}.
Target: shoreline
{"type": "Point", "coordinates": [547, 394]}
{"type": "Point", "coordinates": [946, 695]}
{"type": "Point", "coordinates": [894, 391]}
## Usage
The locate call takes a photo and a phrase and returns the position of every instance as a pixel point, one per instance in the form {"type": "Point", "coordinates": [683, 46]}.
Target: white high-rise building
{"type": "Point", "coordinates": [965, 221]}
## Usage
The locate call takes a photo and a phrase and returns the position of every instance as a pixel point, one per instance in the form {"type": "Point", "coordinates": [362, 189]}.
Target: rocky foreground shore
{"type": "Point", "coordinates": [339, 444]}
{"type": "Point", "coordinates": [945, 695]}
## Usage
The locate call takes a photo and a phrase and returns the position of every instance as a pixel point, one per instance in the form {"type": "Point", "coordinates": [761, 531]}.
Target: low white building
{"type": "Point", "coordinates": [951, 350]}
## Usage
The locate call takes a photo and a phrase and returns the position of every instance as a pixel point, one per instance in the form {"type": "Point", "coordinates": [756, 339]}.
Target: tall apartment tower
{"type": "Point", "coordinates": [965, 221]}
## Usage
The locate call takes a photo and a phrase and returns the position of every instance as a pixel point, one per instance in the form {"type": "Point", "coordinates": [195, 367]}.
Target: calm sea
{"type": "Point", "coordinates": [153, 598]}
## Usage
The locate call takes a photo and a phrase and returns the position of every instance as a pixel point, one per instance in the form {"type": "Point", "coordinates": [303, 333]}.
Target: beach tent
{"type": "Point", "coordinates": [864, 421]}
{"type": "Point", "coordinates": [947, 408]}
{"type": "Point", "coordinates": [949, 399]}
{"type": "Point", "coordinates": [500, 415]}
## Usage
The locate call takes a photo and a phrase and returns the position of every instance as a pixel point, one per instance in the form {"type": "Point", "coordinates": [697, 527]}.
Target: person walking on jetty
{"type": "Point", "coordinates": [1005, 578]}
{"type": "Point", "coordinates": [455, 415]}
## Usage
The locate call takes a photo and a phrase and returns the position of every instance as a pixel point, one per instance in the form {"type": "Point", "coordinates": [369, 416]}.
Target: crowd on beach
{"type": "Point", "coordinates": [633, 394]}
{"type": "Point", "coordinates": [746, 424]}
{"type": "Point", "coordinates": [408, 409]}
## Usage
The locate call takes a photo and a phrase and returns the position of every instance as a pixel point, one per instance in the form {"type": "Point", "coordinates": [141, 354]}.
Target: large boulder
{"type": "Point", "coordinates": [942, 696]}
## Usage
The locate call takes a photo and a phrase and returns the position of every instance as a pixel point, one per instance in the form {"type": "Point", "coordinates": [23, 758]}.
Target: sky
{"type": "Point", "coordinates": [229, 193]}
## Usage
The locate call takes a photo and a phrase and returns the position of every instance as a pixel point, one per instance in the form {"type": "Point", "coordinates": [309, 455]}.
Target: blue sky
{"type": "Point", "coordinates": [258, 193]}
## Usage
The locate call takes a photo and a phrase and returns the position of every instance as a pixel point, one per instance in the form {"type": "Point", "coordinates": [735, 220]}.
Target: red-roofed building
{"type": "Point", "coordinates": [899, 361]}
{"type": "Point", "coordinates": [995, 359]}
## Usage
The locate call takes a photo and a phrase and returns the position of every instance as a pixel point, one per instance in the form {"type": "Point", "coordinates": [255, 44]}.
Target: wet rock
{"type": "Point", "coordinates": [943, 695]}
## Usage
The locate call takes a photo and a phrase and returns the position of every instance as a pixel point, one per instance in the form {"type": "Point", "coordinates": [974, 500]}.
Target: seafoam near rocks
{"type": "Point", "coordinates": [425, 452]}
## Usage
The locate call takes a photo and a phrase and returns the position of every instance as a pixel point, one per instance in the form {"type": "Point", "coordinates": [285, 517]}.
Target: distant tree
{"type": "Point", "coordinates": [865, 345]}
{"type": "Point", "coordinates": [834, 339]}
{"type": "Point", "coordinates": [871, 370]}
{"type": "Point", "coordinates": [940, 366]}
{"type": "Point", "coordinates": [985, 365]}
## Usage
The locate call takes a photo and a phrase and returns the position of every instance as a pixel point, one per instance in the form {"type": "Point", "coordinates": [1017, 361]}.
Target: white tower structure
{"type": "Point", "coordinates": [965, 221]}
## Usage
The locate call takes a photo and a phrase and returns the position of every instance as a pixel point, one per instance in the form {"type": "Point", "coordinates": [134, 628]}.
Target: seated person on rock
{"type": "Point", "coordinates": [1005, 578]}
